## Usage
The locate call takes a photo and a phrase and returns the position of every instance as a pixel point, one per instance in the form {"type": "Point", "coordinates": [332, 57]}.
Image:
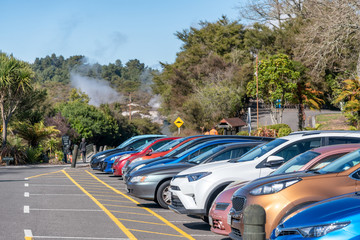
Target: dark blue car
{"type": "Point", "coordinates": [332, 219]}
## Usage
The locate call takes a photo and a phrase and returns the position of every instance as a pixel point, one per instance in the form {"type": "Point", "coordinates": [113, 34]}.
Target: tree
{"type": "Point", "coordinates": [15, 83]}
{"type": "Point", "coordinates": [277, 79]}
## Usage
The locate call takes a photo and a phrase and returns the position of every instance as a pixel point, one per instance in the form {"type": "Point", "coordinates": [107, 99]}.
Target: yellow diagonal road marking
{"type": "Point", "coordinates": [44, 174]}
{"type": "Point", "coordinates": [112, 217]}
{"type": "Point", "coordinates": [188, 236]}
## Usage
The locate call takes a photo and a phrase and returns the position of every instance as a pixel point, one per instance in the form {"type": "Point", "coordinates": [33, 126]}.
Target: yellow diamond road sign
{"type": "Point", "coordinates": [178, 122]}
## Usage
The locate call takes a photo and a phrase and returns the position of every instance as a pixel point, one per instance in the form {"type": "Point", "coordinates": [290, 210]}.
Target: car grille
{"type": "Point", "coordinates": [238, 203]}
{"type": "Point", "coordinates": [236, 232]}
{"type": "Point", "coordinates": [288, 232]}
{"type": "Point", "coordinates": [175, 201]}
{"type": "Point", "coordinates": [221, 206]}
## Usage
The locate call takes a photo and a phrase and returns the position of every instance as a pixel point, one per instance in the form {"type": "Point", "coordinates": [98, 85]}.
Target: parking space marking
{"type": "Point", "coordinates": [112, 217]}
{"type": "Point", "coordinates": [143, 214]}
{"type": "Point", "coordinates": [66, 210]}
{"type": "Point", "coordinates": [130, 220]}
{"type": "Point", "coordinates": [26, 209]}
{"type": "Point", "coordinates": [167, 234]}
{"type": "Point", "coordinates": [112, 200]}
{"type": "Point", "coordinates": [44, 174]}
{"type": "Point", "coordinates": [26, 185]}
{"type": "Point", "coordinates": [28, 234]}
{"type": "Point", "coordinates": [90, 238]}
{"type": "Point", "coordinates": [121, 206]}
{"type": "Point", "coordinates": [183, 234]}
{"type": "Point", "coordinates": [52, 185]}
{"type": "Point", "coordinates": [101, 195]}
{"type": "Point", "coordinates": [57, 194]}
{"type": "Point", "coordinates": [26, 194]}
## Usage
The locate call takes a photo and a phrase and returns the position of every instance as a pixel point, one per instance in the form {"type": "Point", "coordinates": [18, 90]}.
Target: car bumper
{"type": "Point", "coordinates": [144, 190]}
{"type": "Point", "coordinates": [95, 166]}
{"type": "Point", "coordinates": [177, 206]}
{"type": "Point", "coordinates": [108, 168]}
{"type": "Point", "coordinates": [218, 221]}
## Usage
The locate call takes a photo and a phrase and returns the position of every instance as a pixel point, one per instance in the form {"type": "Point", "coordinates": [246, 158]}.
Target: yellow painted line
{"type": "Point", "coordinates": [112, 200]}
{"type": "Point", "coordinates": [112, 205]}
{"type": "Point", "coordinates": [130, 220]}
{"type": "Point", "coordinates": [28, 234]}
{"type": "Point", "coordinates": [44, 174]}
{"type": "Point", "coordinates": [188, 236]}
{"type": "Point", "coordinates": [112, 217]}
{"type": "Point", "coordinates": [100, 195]}
{"type": "Point", "coordinates": [94, 191]}
{"type": "Point", "coordinates": [167, 234]}
{"type": "Point", "coordinates": [143, 214]}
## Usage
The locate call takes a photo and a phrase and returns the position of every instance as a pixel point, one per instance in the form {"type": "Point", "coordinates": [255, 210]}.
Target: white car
{"type": "Point", "coordinates": [194, 190]}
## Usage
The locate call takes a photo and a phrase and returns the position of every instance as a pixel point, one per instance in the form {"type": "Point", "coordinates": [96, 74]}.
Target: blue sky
{"type": "Point", "coordinates": [104, 30]}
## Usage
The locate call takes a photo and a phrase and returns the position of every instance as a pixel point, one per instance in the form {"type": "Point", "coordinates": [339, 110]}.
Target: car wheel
{"type": "Point", "coordinates": [163, 195]}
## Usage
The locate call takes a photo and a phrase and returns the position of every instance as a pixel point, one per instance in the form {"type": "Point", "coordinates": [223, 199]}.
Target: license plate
{"type": "Point", "coordinates": [229, 219]}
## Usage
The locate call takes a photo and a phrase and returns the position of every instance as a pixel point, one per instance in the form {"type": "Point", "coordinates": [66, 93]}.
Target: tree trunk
{"type": "Point", "coordinates": [301, 114]}
{"type": "Point", "coordinates": [4, 132]}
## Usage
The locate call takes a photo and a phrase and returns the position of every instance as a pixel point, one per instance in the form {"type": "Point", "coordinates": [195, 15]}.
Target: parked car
{"type": "Point", "coordinates": [310, 160]}
{"type": "Point", "coordinates": [153, 183]}
{"type": "Point", "coordinates": [161, 152]}
{"type": "Point", "coordinates": [142, 151]}
{"type": "Point", "coordinates": [194, 189]}
{"type": "Point", "coordinates": [331, 219]}
{"type": "Point", "coordinates": [129, 145]}
{"type": "Point", "coordinates": [136, 165]}
{"type": "Point", "coordinates": [281, 195]}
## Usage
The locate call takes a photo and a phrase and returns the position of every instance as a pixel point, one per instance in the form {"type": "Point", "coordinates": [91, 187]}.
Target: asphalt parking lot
{"type": "Point", "coordinates": [79, 203]}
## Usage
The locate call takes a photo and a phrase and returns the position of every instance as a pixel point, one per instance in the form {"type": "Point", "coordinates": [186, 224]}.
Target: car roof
{"type": "Point", "coordinates": [326, 149]}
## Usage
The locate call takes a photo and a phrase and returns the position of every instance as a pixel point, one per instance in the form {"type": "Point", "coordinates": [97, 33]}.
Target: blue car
{"type": "Point", "coordinates": [194, 151]}
{"type": "Point", "coordinates": [108, 162]}
{"type": "Point", "coordinates": [128, 145]}
{"type": "Point", "coordinates": [332, 219]}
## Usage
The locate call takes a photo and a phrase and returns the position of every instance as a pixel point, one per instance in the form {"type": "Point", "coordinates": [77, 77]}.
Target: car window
{"type": "Point", "coordinates": [323, 162]}
{"type": "Point", "coordinates": [139, 143]}
{"type": "Point", "coordinates": [343, 163]}
{"type": "Point", "coordinates": [342, 140]}
{"type": "Point", "coordinates": [202, 157]}
{"type": "Point", "coordinates": [231, 154]}
{"type": "Point", "coordinates": [261, 150]}
{"type": "Point", "coordinates": [298, 147]}
{"type": "Point", "coordinates": [168, 146]}
{"type": "Point", "coordinates": [296, 163]}
{"type": "Point", "coordinates": [159, 144]}
{"type": "Point", "coordinates": [200, 151]}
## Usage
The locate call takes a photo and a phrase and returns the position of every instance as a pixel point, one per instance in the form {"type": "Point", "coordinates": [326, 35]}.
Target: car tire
{"type": "Point", "coordinates": [163, 196]}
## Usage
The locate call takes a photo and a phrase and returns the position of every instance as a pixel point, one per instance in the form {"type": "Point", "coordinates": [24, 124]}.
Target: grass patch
{"type": "Point", "coordinates": [334, 121]}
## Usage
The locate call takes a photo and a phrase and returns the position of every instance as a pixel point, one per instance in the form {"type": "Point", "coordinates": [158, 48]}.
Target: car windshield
{"type": "Point", "coordinates": [179, 149]}
{"type": "Point", "coordinates": [170, 145]}
{"type": "Point", "coordinates": [202, 157]}
{"type": "Point", "coordinates": [261, 150]}
{"type": "Point", "coordinates": [343, 163]}
{"type": "Point", "coordinates": [142, 147]}
{"type": "Point", "coordinates": [296, 163]}
{"type": "Point", "coordinates": [124, 144]}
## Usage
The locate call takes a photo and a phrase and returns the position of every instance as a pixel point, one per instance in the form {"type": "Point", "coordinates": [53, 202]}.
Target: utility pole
{"type": "Point", "coordinates": [130, 106]}
{"type": "Point", "coordinates": [257, 93]}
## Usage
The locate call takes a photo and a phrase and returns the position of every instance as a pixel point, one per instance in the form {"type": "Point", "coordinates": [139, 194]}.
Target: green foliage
{"type": "Point", "coordinates": [145, 126]}
{"type": "Point", "coordinates": [277, 127]}
{"type": "Point", "coordinates": [15, 151]}
{"type": "Point", "coordinates": [33, 154]}
{"type": "Point", "coordinates": [284, 132]}
{"type": "Point", "coordinates": [243, 133]}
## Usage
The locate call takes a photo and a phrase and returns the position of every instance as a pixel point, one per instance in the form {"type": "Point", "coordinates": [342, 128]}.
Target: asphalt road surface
{"type": "Point", "coordinates": [59, 202]}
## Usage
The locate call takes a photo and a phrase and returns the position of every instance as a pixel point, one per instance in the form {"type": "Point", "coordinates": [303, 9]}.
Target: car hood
{"type": "Point", "coordinates": [162, 169]}
{"type": "Point", "coordinates": [146, 161]}
{"type": "Point", "coordinates": [118, 155]}
{"type": "Point", "coordinates": [338, 209]}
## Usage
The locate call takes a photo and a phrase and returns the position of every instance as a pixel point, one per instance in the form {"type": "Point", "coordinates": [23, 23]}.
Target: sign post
{"type": "Point", "coordinates": [178, 122]}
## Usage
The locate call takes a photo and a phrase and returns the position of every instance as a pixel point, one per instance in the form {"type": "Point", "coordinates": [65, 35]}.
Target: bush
{"type": "Point", "coordinates": [14, 151]}
{"type": "Point", "coordinates": [284, 132]}
{"type": "Point", "coordinates": [33, 155]}
{"type": "Point", "coordinates": [243, 133]}
{"type": "Point", "coordinates": [277, 127]}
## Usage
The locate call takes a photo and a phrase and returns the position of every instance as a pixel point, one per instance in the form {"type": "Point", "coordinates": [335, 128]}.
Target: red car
{"type": "Point", "coordinates": [311, 160]}
{"type": "Point", "coordinates": [145, 150]}
{"type": "Point", "coordinates": [161, 151]}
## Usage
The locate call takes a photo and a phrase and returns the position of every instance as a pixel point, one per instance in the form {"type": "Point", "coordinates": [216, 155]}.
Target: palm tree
{"type": "Point", "coordinates": [15, 80]}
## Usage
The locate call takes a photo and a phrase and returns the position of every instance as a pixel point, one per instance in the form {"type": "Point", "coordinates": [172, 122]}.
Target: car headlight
{"type": "Point", "coordinates": [196, 176]}
{"type": "Point", "coordinates": [124, 156]}
{"type": "Point", "coordinates": [113, 158]}
{"type": "Point", "coordinates": [137, 179]}
{"type": "Point", "coordinates": [138, 167]}
{"type": "Point", "coordinates": [273, 187]}
{"type": "Point", "coordinates": [321, 230]}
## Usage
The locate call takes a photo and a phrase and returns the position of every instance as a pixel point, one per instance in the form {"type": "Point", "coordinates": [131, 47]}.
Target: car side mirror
{"type": "Point", "coordinates": [274, 161]}
{"type": "Point", "coordinates": [148, 152]}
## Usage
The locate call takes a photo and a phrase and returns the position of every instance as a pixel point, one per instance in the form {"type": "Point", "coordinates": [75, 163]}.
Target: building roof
{"type": "Point", "coordinates": [232, 122]}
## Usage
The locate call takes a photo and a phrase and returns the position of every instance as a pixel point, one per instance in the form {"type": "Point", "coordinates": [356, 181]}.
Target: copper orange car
{"type": "Point", "coordinates": [312, 159]}
{"type": "Point", "coordinates": [281, 195]}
